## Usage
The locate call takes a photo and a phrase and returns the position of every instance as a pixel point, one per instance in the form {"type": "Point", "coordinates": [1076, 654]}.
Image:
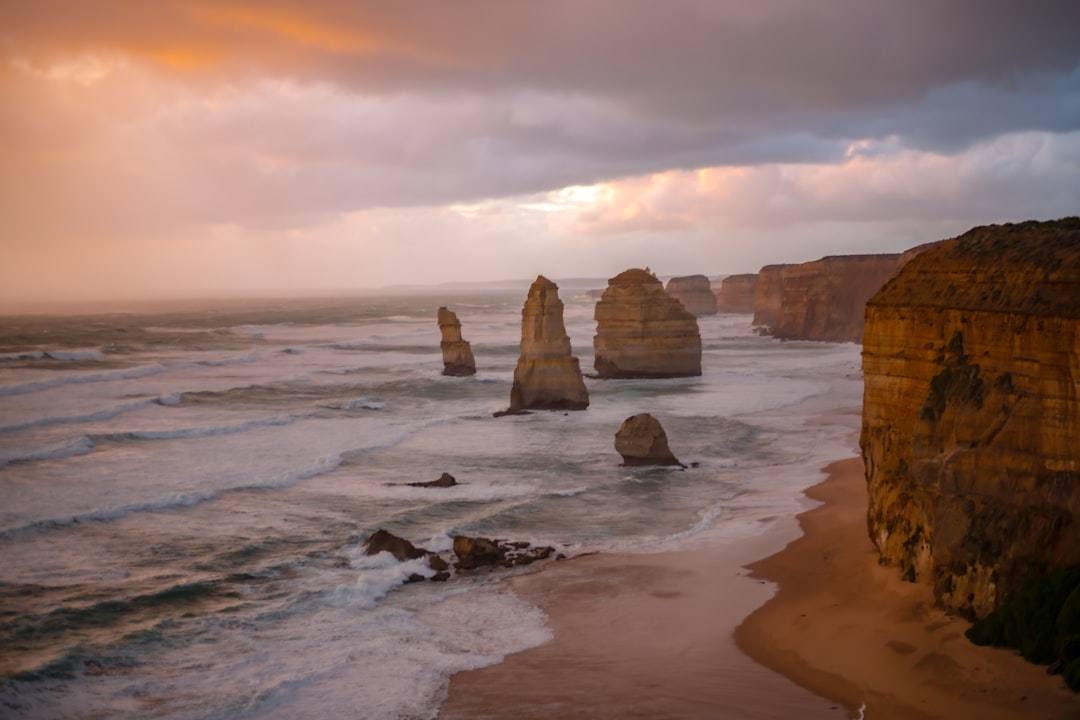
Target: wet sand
{"type": "Point", "coordinates": [851, 630]}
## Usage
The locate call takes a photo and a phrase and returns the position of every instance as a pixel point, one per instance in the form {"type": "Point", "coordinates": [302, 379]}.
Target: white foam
{"type": "Point", "coordinates": [74, 355]}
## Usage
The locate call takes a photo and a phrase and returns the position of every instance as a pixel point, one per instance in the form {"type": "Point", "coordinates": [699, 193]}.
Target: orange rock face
{"type": "Point", "coordinates": [457, 353]}
{"type": "Point", "coordinates": [695, 293]}
{"type": "Point", "coordinates": [547, 376]}
{"type": "Point", "coordinates": [826, 299]}
{"type": "Point", "coordinates": [642, 332]}
{"type": "Point", "coordinates": [736, 294]}
{"type": "Point", "coordinates": [971, 412]}
{"type": "Point", "coordinates": [768, 294]}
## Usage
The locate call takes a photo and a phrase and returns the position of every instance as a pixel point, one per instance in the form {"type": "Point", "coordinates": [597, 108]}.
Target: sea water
{"type": "Point", "coordinates": [185, 493]}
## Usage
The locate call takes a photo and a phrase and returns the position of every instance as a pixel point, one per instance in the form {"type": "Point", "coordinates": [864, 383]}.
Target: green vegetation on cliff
{"type": "Point", "coordinates": [1041, 620]}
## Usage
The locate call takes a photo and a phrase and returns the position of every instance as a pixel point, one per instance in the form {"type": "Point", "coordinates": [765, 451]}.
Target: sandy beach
{"type": "Point", "coordinates": [659, 636]}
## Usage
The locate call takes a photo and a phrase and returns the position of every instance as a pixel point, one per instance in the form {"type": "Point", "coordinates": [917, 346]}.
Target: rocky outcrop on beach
{"type": "Point", "coordinates": [403, 550]}
{"type": "Point", "coordinates": [768, 293]}
{"type": "Point", "coordinates": [736, 293]}
{"type": "Point", "coordinates": [641, 440]}
{"type": "Point", "coordinates": [694, 292]}
{"type": "Point", "coordinates": [457, 353]}
{"type": "Point", "coordinates": [642, 332]}
{"type": "Point", "coordinates": [971, 414]}
{"type": "Point", "coordinates": [547, 376]}
{"type": "Point", "coordinates": [477, 552]}
{"type": "Point", "coordinates": [825, 300]}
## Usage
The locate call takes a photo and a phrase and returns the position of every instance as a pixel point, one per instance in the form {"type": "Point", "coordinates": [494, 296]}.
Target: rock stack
{"type": "Point", "coordinates": [642, 332]}
{"type": "Point", "coordinates": [457, 354]}
{"type": "Point", "coordinates": [641, 440]}
{"type": "Point", "coordinates": [736, 294]}
{"type": "Point", "coordinates": [547, 376]}
{"type": "Point", "coordinates": [971, 412]}
{"type": "Point", "coordinates": [768, 294]}
{"type": "Point", "coordinates": [694, 292]}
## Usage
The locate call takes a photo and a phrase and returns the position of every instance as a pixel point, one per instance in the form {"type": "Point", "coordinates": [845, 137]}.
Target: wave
{"type": "Point", "coordinates": [39, 385]}
{"type": "Point", "coordinates": [355, 404]}
{"type": "Point", "coordinates": [250, 357]}
{"type": "Point", "coordinates": [28, 355]}
{"type": "Point", "coordinates": [194, 432]}
{"type": "Point", "coordinates": [91, 354]}
{"type": "Point", "coordinates": [97, 415]}
{"type": "Point", "coordinates": [53, 451]}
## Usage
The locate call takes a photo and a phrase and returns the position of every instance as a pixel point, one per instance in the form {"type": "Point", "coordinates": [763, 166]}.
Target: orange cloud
{"type": "Point", "coordinates": [287, 24]}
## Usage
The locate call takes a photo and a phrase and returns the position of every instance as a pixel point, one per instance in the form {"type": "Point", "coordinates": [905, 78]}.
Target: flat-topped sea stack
{"type": "Point", "coordinates": [456, 352]}
{"type": "Point", "coordinates": [768, 294]}
{"type": "Point", "coordinates": [736, 293]}
{"type": "Point", "coordinates": [547, 376]}
{"type": "Point", "coordinates": [971, 412]}
{"type": "Point", "coordinates": [825, 299]}
{"type": "Point", "coordinates": [642, 332]}
{"type": "Point", "coordinates": [695, 293]}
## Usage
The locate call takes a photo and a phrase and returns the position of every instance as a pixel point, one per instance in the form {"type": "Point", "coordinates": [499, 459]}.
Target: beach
{"type": "Point", "coordinates": [672, 636]}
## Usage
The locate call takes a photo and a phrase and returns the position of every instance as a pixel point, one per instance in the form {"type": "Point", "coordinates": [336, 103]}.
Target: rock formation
{"type": "Point", "coordinates": [768, 293]}
{"type": "Point", "coordinates": [826, 299]}
{"type": "Point", "coordinates": [736, 294]}
{"type": "Point", "coordinates": [547, 376]}
{"type": "Point", "coordinates": [476, 552]}
{"type": "Point", "coordinates": [641, 440]}
{"type": "Point", "coordinates": [444, 481]}
{"type": "Point", "coordinates": [971, 412]}
{"type": "Point", "coordinates": [403, 550]}
{"type": "Point", "coordinates": [642, 332]}
{"type": "Point", "coordinates": [456, 352]}
{"type": "Point", "coordinates": [695, 293]}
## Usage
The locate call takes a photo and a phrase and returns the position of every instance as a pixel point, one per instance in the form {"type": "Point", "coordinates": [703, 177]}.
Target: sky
{"type": "Point", "coordinates": [209, 148]}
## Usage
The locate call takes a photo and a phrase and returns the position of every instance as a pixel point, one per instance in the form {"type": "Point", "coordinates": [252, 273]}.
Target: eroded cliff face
{"type": "Point", "coordinates": [547, 376]}
{"type": "Point", "coordinates": [971, 412]}
{"type": "Point", "coordinates": [736, 294]}
{"type": "Point", "coordinates": [694, 292]}
{"type": "Point", "coordinates": [457, 353]}
{"type": "Point", "coordinates": [642, 332]}
{"type": "Point", "coordinates": [826, 299]}
{"type": "Point", "coordinates": [767, 295]}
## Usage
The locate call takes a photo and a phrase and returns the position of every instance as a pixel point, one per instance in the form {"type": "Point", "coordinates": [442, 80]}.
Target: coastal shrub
{"type": "Point", "coordinates": [1041, 619]}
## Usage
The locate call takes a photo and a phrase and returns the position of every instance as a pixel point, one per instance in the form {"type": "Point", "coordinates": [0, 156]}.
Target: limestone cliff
{"type": "Point", "coordinates": [457, 353]}
{"type": "Point", "coordinates": [826, 299]}
{"type": "Point", "coordinates": [642, 332]}
{"type": "Point", "coordinates": [971, 412]}
{"type": "Point", "coordinates": [768, 293]}
{"type": "Point", "coordinates": [694, 292]}
{"type": "Point", "coordinates": [547, 376]}
{"type": "Point", "coordinates": [736, 294]}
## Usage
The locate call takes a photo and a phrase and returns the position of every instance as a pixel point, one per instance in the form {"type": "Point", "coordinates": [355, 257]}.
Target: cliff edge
{"type": "Point", "coordinates": [971, 412]}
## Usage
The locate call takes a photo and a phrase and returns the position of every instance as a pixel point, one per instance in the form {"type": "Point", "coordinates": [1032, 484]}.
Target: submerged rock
{"type": "Point", "coordinates": [457, 354]}
{"type": "Point", "coordinates": [694, 292]}
{"type": "Point", "coordinates": [641, 440]}
{"type": "Point", "coordinates": [445, 480]}
{"type": "Point", "coordinates": [547, 376]}
{"type": "Point", "coordinates": [642, 332]}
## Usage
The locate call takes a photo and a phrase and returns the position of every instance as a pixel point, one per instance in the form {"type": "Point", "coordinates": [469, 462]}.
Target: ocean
{"type": "Point", "coordinates": [185, 492]}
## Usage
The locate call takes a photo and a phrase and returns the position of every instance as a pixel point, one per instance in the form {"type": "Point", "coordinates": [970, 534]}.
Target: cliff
{"type": "Point", "coordinates": [767, 295]}
{"type": "Point", "coordinates": [547, 376]}
{"type": "Point", "coordinates": [694, 292]}
{"type": "Point", "coordinates": [642, 332]}
{"type": "Point", "coordinates": [457, 353]}
{"type": "Point", "coordinates": [971, 412]}
{"type": "Point", "coordinates": [736, 294]}
{"type": "Point", "coordinates": [826, 299]}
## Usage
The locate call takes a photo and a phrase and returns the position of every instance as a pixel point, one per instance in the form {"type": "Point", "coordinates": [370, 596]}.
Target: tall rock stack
{"type": "Point", "coordinates": [695, 293]}
{"type": "Point", "coordinates": [642, 332]}
{"type": "Point", "coordinates": [547, 376]}
{"type": "Point", "coordinates": [825, 300]}
{"type": "Point", "coordinates": [768, 294]}
{"type": "Point", "coordinates": [456, 352]}
{"type": "Point", "coordinates": [736, 293]}
{"type": "Point", "coordinates": [971, 412]}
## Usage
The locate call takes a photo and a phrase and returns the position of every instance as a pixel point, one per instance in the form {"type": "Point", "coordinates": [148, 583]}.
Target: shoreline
{"type": "Point", "coordinates": [849, 629]}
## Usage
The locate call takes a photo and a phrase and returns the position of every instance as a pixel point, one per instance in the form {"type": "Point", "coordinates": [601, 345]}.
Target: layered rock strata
{"type": "Point", "coordinates": [641, 440]}
{"type": "Point", "coordinates": [642, 332]}
{"type": "Point", "coordinates": [825, 299]}
{"type": "Point", "coordinates": [971, 412]}
{"type": "Point", "coordinates": [694, 292]}
{"type": "Point", "coordinates": [457, 353]}
{"type": "Point", "coordinates": [736, 293]}
{"type": "Point", "coordinates": [768, 293]}
{"type": "Point", "coordinates": [547, 376]}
